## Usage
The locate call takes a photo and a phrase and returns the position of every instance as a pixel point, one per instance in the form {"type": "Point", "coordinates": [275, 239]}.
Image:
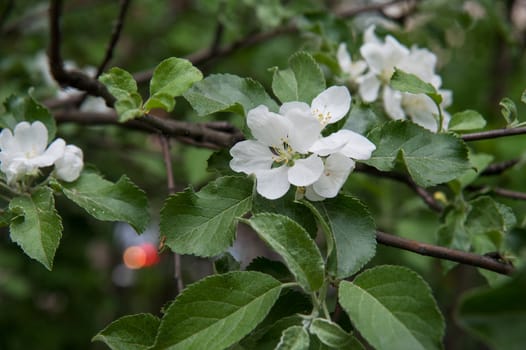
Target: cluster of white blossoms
{"type": "Point", "coordinates": [373, 73]}
{"type": "Point", "coordinates": [25, 150]}
{"type": "Point", "coordinates": [289, 148]}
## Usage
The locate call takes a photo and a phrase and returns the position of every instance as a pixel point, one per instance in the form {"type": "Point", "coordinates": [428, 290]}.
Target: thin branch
{"type": "Point", "coordinates": [218, 36]}
{"type": "Point", "coordinates": [213, 135]}
{"type": "Point", "coordinates": [74, 79]}
{"type": "Point", "coordinates": [499, 168]}
{"type": "Point", "coordinates": [503, 192]}
{"type": "Point", "coordinates": [481, 261]}
{"type": "Point", "coordinates": [492, 134]}
{"type": "Point", "coordinates": [426, 196]}
{"type": "Point", "coordinates": [165, 147]}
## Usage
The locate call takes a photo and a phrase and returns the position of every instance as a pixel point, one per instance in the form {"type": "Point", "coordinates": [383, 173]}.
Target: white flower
{"type": "Point", "coordinates": [346, 142]}
{"type": "Point", "coordinates": [278, 155]}
{"type": "Point", "coordinates": [352, 69]}
{"type": "Point", "coordinates": [69, 166]}
{"type": "Point", "coordinates": [24, 151]}
{"type": "Point", "coordinates": [337, 168]}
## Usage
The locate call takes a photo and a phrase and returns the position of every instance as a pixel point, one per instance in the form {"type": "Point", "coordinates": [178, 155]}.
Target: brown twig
{"type": "Point", "coordinates": [426, 196]}
{"type": "Point", "coordinates": [499, 168]}
{"type": "Point", "coordinates": [492, 134]}
{"type": "Point", "coordinates": [213, 135]}
{"type": "Point", "coordinates": [481, 261]}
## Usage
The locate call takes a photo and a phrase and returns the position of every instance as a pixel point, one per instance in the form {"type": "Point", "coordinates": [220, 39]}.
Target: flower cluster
{"type": "Point", "coordinates": [373, 73]}
{"type": "Point", "coordinates": [289, 147]}
{"type": "Point", "coordinates": [25, 150]}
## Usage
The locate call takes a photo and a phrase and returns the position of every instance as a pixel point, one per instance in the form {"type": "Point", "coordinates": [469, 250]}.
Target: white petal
{"type": "Point", "coordinates": [31, 138]}
{"type": "Point", "coordinates": [330, 144]}
{"type": "Point", "coordinates": [333, 103]}
{"type": "Point", "coordinates": [375, 56]}
{"type": "Point", "coordinates": [337, 169]}
{"type": "Point", "coordinates": [250, 156]}
{"type": "Point", "coordinates": [357, 147]}
{"type": "Point", "coordinates": [305, 171]}
{"type": "Point", "coordinates": [369, 87]}
{"type": "Point", "coordinates": [6, 140]}
{"type": "Point", "coordinates": [295, 109]}
{"type": "Point", "coordinates": [369, 36]}
{"type": "Point", "coordinates": [344, 59]}
{"type": "Point", "coordinates": [357, 68]}
{"type": "Point", "coordinates": [397, 52]}
{"type": "Point", "coordinates": [268, 127]}
{"type": "Point", "coordinates": [393, 103]}
{"type": "Point", "coordinates": [68, 167]}
{"type": "Point", "coordinates": [311, 195]}
{"type": "Point", "coordinates": [272, 183]}
{"type": "Point", "coordinates": [305, 128]}
{"type": "Point", "coordinates": [51, 154]}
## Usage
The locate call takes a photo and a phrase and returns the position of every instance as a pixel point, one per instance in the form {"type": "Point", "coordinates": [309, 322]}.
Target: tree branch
{"type": "Point", "coordinates": [492, 134]}
{"type": "Point", "coordinates": [499, 168]}
{"type": "Point", "coordinates": [481, 261]}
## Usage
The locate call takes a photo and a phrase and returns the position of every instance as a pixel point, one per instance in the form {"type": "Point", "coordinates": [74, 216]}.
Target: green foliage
{"type": "Point", "coordinates": [466, 120]}
{"type": "Point", "coordinates": [104, 200]}
{"type": "Point", "coordinates": [509, 111]}
{"type": "Point", "coordinates": [202, 223]}
{"type": "Point", "coordinates": [294, 244]}
{"type": "Point", "coordinates": [36, 227]}
{"type": "Point", "coordinates": [171, 78]}
{"type": "Point", "coordinates": [397, 301]}
{"type": "Point", "coordinates": [429, 158]}
{"type": "Point", "coordinates": [217, 311]}
{"type": "Point", "coordinates": [20, 109]}
{"type": "Point", "coordinates": [303, 81]}
{"type": "Point", "coordinates": [407, 82]}
{"type": "Point", "coordinates": [330, 333]}
{"type": "Point", "coordinates": [294, 338]}
{"type": "Point", "coordinates": [227, 92]}
{"type": "Point", "coordinates": [496, 315]}
{"type": "Point", "coordinates": [134, 332]}
{"type": "Point", "coordinates": [123, 87]}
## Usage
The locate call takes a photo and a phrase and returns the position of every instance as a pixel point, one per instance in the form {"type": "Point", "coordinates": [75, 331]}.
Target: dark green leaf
{"type": "Point", "coordinates": [294, 244]}
{"type": "Point", "coordinates": [407, 82]}
{"type": "Point", "coordinates": [37, 227]}
{"type": "Point", "coordinates": [217, 311]}
{"type": "Point", "coordinates": [268, 338]}
{"type": "Point", "coordinates": [107, 201]}
{"type": "Point", "coordinates": [466, 120]}
{"type": "Point", "coordinates": [396, 301]}
{"type": "Point", "coordinates": [430, 158]}
{"type": "Point", "coordinates": [20, 109]}
{"type": "Point", "coordinates": [134, 332]}
{"type": "Point", "coordinates": [203, 223]}
{"type": "Point", "coordinates": [227, 92]}
{"type": "Point", "coordinates": [497, 315]}
{"type": "Point", "coordinates": [276, 269]}
{"type": "Point", "coordinates": [171, 78]}
{"type": "Point", "coordinates": [226, 263]}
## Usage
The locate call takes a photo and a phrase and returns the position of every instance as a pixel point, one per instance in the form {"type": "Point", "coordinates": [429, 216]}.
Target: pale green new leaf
{"type": "Point", "coordinates": [407, 82]}
{"type": "Point", "coordinates": [294, 244]}
{"type": "Point", "coordinates": [19, 109]}
{"type": "Point", "coordinates": [133, 332]}
{"type": "Point", "coordinates": [466, 120]}
{"type": "Point", "coordinates": [108, 201]}
{"type": "Point", "coordinates": [353, 231]}
{"type": "Point", "coordinates": [497, 315]}
{"type": "Point", "coordinates": [227, 92]}
{"type": "Point", "coordinates": [123, 87]}
{"type": "Point", "coordinates": [509, 111]}
{"type": "Point", "coordinates": [393, 309]}
{"type": "Point", "coordinates": [217, 311]}
{"type": "Point", "coordinates": [430, 158]}
{"type": "Point", "coordinates": [203, 223]}
{"type": "Point", "coordinates": [302, 82]}
{"type": "Point", "coordinates": [171, 78]}
{"type": "Point", "coordinates": [294, 338]}
{"type": "Point", "coordinates": [330, 333]}
{"type": "Point", "coordinates": [37, 227]}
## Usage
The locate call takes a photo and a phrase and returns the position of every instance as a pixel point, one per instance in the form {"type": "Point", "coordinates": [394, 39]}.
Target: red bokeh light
{"type": "Point", "coordinates": [139, 256]}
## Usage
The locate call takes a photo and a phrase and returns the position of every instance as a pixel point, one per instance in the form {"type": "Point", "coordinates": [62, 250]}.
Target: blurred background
{"type": "Point", "coordinates": [104, 270]}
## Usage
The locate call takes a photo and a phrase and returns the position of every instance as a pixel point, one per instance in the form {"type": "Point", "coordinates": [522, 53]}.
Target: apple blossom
{"type": "Point", "coordinates": [23, 151]}
{"type": "Point", "coordinates": [352, 69]}
{"type": "Point", "coordinates": [69, 166]}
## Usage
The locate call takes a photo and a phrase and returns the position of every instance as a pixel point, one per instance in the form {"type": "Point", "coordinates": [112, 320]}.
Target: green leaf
{"type": "Point", "coordinates": [276, 269]}
{"type": "Point", "coordinates": [497, 315]}
{"type": "Point", "coordinates": [523, 97]}
{"type": "Point", "coordinates": [302, 82]}
{"type": "Point", "coordinates": [37, 228]}
{"type": "Point", "coordinates": [294, 338]}
{"type": "Point", "coordinates": [330, 333]}
{"type": "Point", "coordinates": [133, 332]}
{"type": "Point", "coordinates": [171, 78]}
{"type": "Point", "coordinates": [430, 158]}
{"type": "Point", "coordinates": [227, 92]}
{"type": "Point", "coordinates": [203, 223]}
{"type": "Point", "coordinates": [269, 337]}
{"type": "Point", "coordinates": [217, 311]}
{"type": "Point", "coordinates": [509, 111]}
{"type": "Point", "coordinates": [479, 162]}
{"type": "Point", "coordinates": [294, 244]}
{"type": "Point", "coordinates": [226, 263]}
{"type": "Point", "coordinates": [354, 234]}
{"type": "Point", "coordinates": [407, 82]}
{"type": "Point", "coordinates": [123, 87]}
{"type": "Point", "coordinates": [107, 201]}
{"type": "Point", "coordinates": [19, 109]}
{"type": "Point", "coordinates": [466, 120]}
{"type": "Point", "coordinates": [396, 301]}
